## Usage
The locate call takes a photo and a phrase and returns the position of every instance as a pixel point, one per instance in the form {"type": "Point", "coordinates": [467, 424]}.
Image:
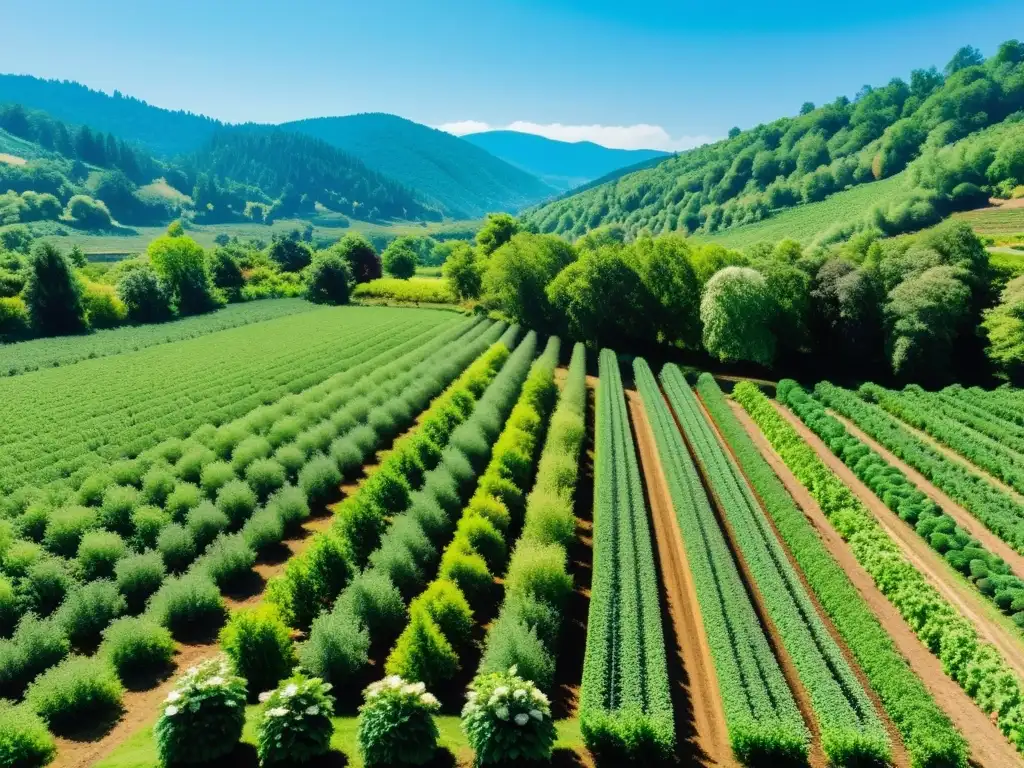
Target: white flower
{"type": "Point", "coordinates": [372, 693]}
{"type": "Point", "coordinates": [394, 681]}
{"type": "Point", "coordinates": [215, 680]}
{"type": "Point", "coordinates": [536, 714]}
{"type": "Point", "coordinates": [502, 713]}
{"type": "Point", "coordinates": [265, 696]}
{"type": "Point", "coordinates": [290, 691]}
{"type": "Point", "coordinates": [171, 711]}
{"type": "Point", "coordinates": [472, 695]}
{"type": "Point", "coordinates": [173, 696]}
{"type": "Point", "coordinates": [519, 693]}
{"type": "Point", "coordinates": [538, 696]}
{"type": "Point", "coordinates": [277, 712]}
{"type": "Point", "coordinates": [313, 710]}
{"type": "Point", "coordinates": [500, 691]}
{"type": "Point", "coordinates": [522, 719]}
{"type": "Point", "coordinates": [191, 670]}
{"type": "Point", "coordinates": [513, 670]}
{"type": "Point", "coordinates": [429, 699]}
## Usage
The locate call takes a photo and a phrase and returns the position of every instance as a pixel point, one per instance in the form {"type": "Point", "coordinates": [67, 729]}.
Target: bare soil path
{"type": "Point", "coordinates": [989, 748]}
{"type": "Point", "coordinates": [700, 716]}
{"type": "Point", "coordinates": [963, 518]}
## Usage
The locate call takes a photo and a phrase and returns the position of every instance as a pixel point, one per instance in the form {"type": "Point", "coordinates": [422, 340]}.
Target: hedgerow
{"type": "Point", "coordinates": [625, 704]}
{"type": "Point", "coordinates": [974, 664]}
{"type": "Point", "coordinates": [929, 736]}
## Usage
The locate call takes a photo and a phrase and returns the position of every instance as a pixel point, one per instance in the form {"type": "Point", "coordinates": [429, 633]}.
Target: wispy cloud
{"type": "Point", "coordinates": [639, 136]}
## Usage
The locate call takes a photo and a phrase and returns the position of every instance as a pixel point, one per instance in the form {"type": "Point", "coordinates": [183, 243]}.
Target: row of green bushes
{"type": "Point", "coordinates": [978, 667]}
{"type": "Point", "coordinates": [1007, 433]}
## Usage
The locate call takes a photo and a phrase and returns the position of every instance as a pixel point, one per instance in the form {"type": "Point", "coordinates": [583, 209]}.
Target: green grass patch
{"type": "Point", "coordinates": [419, 290]}
{"type": "Point", "coordinates": [994, 221]}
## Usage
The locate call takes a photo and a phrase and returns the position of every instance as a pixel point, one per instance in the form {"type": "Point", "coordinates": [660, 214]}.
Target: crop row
{"type": "Point", "coordinates": [625, 704]}
{"type": "Point", "coordinates": [434, 646]}
{"type": "Point", "coordinates": [996, 456]}
{"type": "Point", "coordinates": [525, 634]}
{"type": "Point", "coordinates": [65, 350]}
{"type": "Point", "coordinates": [1003, 403]}
{"type": "Point", "coordinates": [851, 732]}
{"type": "Point", "coordinates": [989, 574]}
{"type": "Point", "coordinates": [974, 416]}
{"type": "Point", "coordinates": [761, 714]}
{"type": "Point", "coordinates": [191, 601]}
{"type": "Point", "coordinates": [929, 736]}
{"type": "Point", "coordinates": [372, 610]}
{"type": "Point", "coordinates": [62, 420]}
{"type": "Point", "coordinates": [997, 510]}
{"type": "Point", "coordinates": [975, 665]}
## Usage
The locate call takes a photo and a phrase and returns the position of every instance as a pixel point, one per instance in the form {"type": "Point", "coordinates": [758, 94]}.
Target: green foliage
{"type": "Point", "coordinates": [427, 290]}
{"type": "Point", "coordinates": [37, 645]}
{"type": "Point", "coordinates": [137, 647]}
{"type": "Point", "coordinates": [294, 724]}
{"type": "Point", "coordinates": [363, 262]}
{"type": "Point", "coordinates": [327, 279]}
{"type": "Point", "coordinates": [139, 576]}
{"type": "Point", "coordinates": [259, 645]}
{"type": "Point", "coordinates": [53, 294]}
{"type": "Point", "coordinates": [228, 560]}
{"type": "Point", "coordinates": [737, 317]}
{"type": "Point", "coordinates": [176, 546]}
{"type": "Point", "coordinates": [77, 691]}
{"type": "Point", "coordinates": [205, 522]}
{"type": "Point", "coordinates": [236, 500]}
{"type": "Point", "coordinates": [396, 725]}
{"type": "Point", "coordinates": [203, 715]}
{"type": "Point", "coordinates": [508, 720]}
{"type": "Point", "coordinates": [98, 553]}
{"type": "Point", "coordinates": [188, 605]}
{"type": "Point", "coordinates": [319, 479]}
{"type": "Point", "coordinates": [65, 529]}
{"type": "Point", "coordinates": [1004, 325]}
{"type": "Point", "coordinates": [25, 741]}
{"type": "Point", "coordinates": [422, 653]}
{"type": "Point", "coordinates": [517, 273]}
{"type": "Point", "coordinates": [181, 263]}
{"type": "Point", "coordinates": [399, 259]}
{"type": "Point", "coordinates": [87, 610]}
{"type": "Point", "coordinates": [463, 271]}
{"type": "Point", "coordinates": [338, 646]}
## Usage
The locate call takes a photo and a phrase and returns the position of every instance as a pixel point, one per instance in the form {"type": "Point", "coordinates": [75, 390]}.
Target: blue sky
{"type": "Point", "coordinates": [626, 73]}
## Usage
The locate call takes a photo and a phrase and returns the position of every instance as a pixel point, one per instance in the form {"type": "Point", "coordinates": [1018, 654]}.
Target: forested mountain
{"type": "Point", "coordinates": [463, 179]}
{"type": "Point", "coordinates": [561, 164]}
{"type": "Point", "coordinates": [794, 160]}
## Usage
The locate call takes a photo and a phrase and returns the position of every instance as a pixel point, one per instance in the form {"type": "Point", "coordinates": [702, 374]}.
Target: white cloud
{"type": "Point", "coordinates": [639, 136]}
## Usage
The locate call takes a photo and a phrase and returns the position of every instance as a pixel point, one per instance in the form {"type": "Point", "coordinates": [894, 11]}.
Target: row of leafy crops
{"type": "Point", "coordinates": [64, 422]}
{"type": "Point", "coordinates": [997, 510]}
{"type": "Point", "coordinates": [974, 416]}
{"type": "Point", "coordinates": [525, 634]}
{"type": "Point", "coordinates": [1003, 403]}
{"type": "Point", "coordinates": [997, 456]}
{"type": "Point", "coordinates": [929, 736]}
{"type": "Point", "coordinates": [313, 580]}
{"type": "Point", "coordinates": [65, 350]}
{"type": "Point", "coordinates": [761, 714]}
{"type": "Point", "coordinates": [975, 665]}
{"type": "Point", "coordinates": [371, 611]}
{"type": "Point", "coordinates": [625, 703]}
{"type": "Point", "coordinates": [433, 648]}
{"type": "Point", "coordinates": [990, 574]}
{"type": "Point", "coordinates": [851, 732]}
{"type": "Point", "coordinates": [218, 541]}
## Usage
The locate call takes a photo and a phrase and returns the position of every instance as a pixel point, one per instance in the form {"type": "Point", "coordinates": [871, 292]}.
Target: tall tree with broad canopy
{"type": "Point", "coordinates": [519, 271]}
{"type": "Point", "coordinates": [1004, 325]}
{"type": "Point", "coordinates": [53, 293]}
{"type": "Point", "coordinates": [363, 261]}
{"type": "Point", "coordinates": [181, 263]}
{"type": "Point", "coordinates": [463, 270]}
{"type": "Point", "coordinates": [737, 316]}
{"type": "Point", "coordinates": [496, 231]}
{"type": "Point", "coordinates": [399, 259]}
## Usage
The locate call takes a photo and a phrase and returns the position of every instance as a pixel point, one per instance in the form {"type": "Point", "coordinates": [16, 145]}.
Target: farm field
{"type": "Point", "coordinates": [995, 221]}
{"type": "Point", "coordinates": [428, 507]}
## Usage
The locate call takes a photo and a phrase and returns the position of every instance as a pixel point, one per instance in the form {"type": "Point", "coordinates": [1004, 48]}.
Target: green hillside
{"type": "Point", "coordinates": [755, 174]}
{"type": "Point", "coordinates": [561, 164]}
{"type": "Point", "coordinates": [462, 179]}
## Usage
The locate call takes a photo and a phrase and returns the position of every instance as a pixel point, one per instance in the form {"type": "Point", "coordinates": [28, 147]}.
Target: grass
{"type": "Point", "coordinates": [139, 750]}
{"type": "Point", "coordinates": [159, 189]}
{"type": "Point", "coordinates": [428, 271]}
{"type": "Point", "coordinates": [417, 290]}
{"type": "Point", "coordinates": [806, 223]}
{"type": "Point", "coordinates": [994, 221]}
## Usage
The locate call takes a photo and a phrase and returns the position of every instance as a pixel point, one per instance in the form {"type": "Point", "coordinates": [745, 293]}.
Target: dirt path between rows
{"type": "Point", "coordinates": [705, 734]}
{"type": "Point", "coordinates": [940, 574]}
{"type": "Point", "coordinates": [900, 758]}
{"type": "Point", "coordinates": [989, 748]}
{"type": "Point", "coordinates": [962, 516]}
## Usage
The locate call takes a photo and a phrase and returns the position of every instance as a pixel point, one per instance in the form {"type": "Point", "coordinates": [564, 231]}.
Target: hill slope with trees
{"type": "Point", "coordinates": [795, 160]}
{"type": "Point", "coordinates": [562, 164]}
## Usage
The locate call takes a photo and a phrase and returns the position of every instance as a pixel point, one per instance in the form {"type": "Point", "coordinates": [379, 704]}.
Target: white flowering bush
{"type": "Point", "coordinates": [507, 720]}
{"type": "Point", "coordinates": [396, 723]}
{"type": "Point", "coordinates": [203, 716]}
{"type": "Point", "coordinates": [294, 724]}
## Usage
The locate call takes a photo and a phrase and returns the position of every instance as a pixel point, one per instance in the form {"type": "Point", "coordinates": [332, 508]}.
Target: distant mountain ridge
{"type": "Point", "coordinates": [562, 164]}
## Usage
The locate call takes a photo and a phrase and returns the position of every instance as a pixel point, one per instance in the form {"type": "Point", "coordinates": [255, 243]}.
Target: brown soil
{"type": "Point", "coordinates": [900, 757]}
{"type": "Point", "coordinates": [963, 518]}
{"type": "Point", "coordinates": [700, 716]}
{"type": "Point", "coordinates": [989, 747]}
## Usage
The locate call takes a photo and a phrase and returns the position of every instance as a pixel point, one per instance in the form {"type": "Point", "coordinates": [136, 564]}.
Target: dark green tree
{"type": "Point", "coordinates": [518, 272]}
{"type": "Point", "coordinates": [53, 293]}
{"type": "Point", "coordinates": [327, 279]}
{"type": "Point", "coordinates": [496, 231]}
{"type": "Point", "coordinates": [399, 259]}
{"type": "Point", "coordinates": [363, 261]}
{"type": "Point", "coordinates": [290, 255]}
{"type": "Point", "coordinates": [464, 272]}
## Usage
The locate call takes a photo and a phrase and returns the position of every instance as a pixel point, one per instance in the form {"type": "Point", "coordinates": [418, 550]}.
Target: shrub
{"type": "Point", "coordinates": [422, 653]}
{"type": "Point", "coordinates": [76, 691]}
{"type": "Point", "coordinates": [338, 646]}
{"type": "Point", "coordinates": [32, 522]}
{"type": "Point", "coordinates": [176, 546]}
{"type": "Point", "coordinates": [228, 560]}
{"type": "Point", "coordinates": [192, 463]}
{"type": "Point", "coordinates": [98, 553]}
{"type": "Point", "coordinates": [137, 647]}
{"type": "Point", "coordinates": [483, 538]}
{"type": "Point", "coordinates": [203, 716]}
{"type": "Point", "coordinates": [248, 451]}
{"type": "Point", "coordinates": [469, 572]}
{"type": "Point", "coordinates": [512, 643]}
{"type": "Point", "coordinates": [157, 485]}
{"type": "Point", "coordinates": [14, 317]}
{"type": "Point", "coordinates": [45, 585]}
{"type": "Point", "coordinates": [319, 479]}
{"type": "Point", "coordinates": [290, 505]}
{"type": "Point", "coordinates": [25, 741]}
{"type": "Point", "coordinates": [169, 450]}
{"type": "Point", "coordinates": [291, 458]}
{"type": "Point", "coordinates": [215, 476]}
{"type": "Point", "coordinates": [127, 472]}
{"type": "Point", "coordinates": [148, 521]}
{"type": "Point", "coordinates": [430, 516]}
{"type": "Point", "coordinates": [189, 605]}
{"type": "Point", "coordinates": [316, 439]}
{"type": "Point", "coordinates": [259, 645]}
{"type": "Point", "coordinates": [490, 509]}
{"type": "Point", "coordinates": [284, 431]}
{"type": "Point", "coordinates": [360, 526]}
{"type": "Point", "coordinates": [365, 438]}
{"type": "Point", "coordinates": [37, 644]}
{"type": "Point", "coordinates": [90, 492]}
{"type": "Point", "coordinates": [445, 604]}
{"type": "Point", "coordinates": [10, 611]}
{"type": "Point", "coordinates": [138, 577]}
{"type": "Point", "coordinates": [294, 725]}
{"type": "Point", "coordinates": [20, 556]}
{"type": "Point", "coordinates": [311, 582]}
{"type": "Point", "coordinates": [263, 530]}
{"type": "Point", "coordinates": [347, 456]}
{"type": "Point", "coordinates": [236, 500]}
{"type": "Point", "coordinates": [508, 719]}
{"type": "Point", "coordinates": [394, 559]}
{"type": "Point", "coordinates": [377, 605]}
{"type": "Point", "coordinates": [265, 476]}
{"type": "Point", "coordinates": [539, 570]}
{"type": "Point", "coordinates": [118, 508]}
{"type": "Point", "coordinates": [327, 279]}
{"type": "Point", "coordinates": [227, 437]}
{"type": "Point", "coordinates": [396, 724]}
{"type": "Point", "coordinates": [183, 498]}
{"type": "Point", "coordinates": [205, 522]}
{"type": "Point", "coordinates": [66, 527]}
{"type": "Point", "coordinates": [87, 610]}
